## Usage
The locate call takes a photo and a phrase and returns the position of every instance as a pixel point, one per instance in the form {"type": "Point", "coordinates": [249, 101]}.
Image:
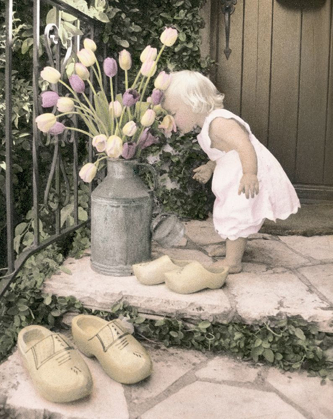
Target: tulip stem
{"type": "Point", "coordinates": [92, 87]}
{"type": "Point", "coordinates": [136, 80]}
{"type": "Point", "coordinates": [126, 79]}
{"type": "Point", "coordinates": [80, 130]}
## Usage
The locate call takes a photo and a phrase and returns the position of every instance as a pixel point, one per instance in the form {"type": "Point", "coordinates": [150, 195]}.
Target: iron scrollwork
{"type": "Point", "coordinates": [228, 8]}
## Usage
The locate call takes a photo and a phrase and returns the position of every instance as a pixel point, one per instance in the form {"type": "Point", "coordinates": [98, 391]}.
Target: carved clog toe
{"type": "Point", "coordinates": [121, 356]}
{"type": "Point", "coordinates": [56, 368]}
{"type": "Point", "coordinates": [152, 273]}
{"type": "Point", "coordinates": [194, 277]}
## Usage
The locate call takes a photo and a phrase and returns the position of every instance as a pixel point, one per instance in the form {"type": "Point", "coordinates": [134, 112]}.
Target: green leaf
{"type": "Point", "coordinates": [269, 355]}
{"type": "Point", "coordinates": [27, 43]}
{"type": "Point", "coordinates": [300, 334]}
{"type": "Point", "coordinates": [160, 322]}
{"type": "Point", "coordinates": [174, 334]}
{"type": "Point", "coordinates": [48, 300]}
{"type": "Point", "coordinates": [19, 229]}
{"type": "Point", "coordinates": [257, 342]}
{"type": "Point", "coordinates": [65, 270]}
{"type": "Point", "coordinates": [67, 17]}
{"type": "Point", "coordinates": [204, 325]}
{"type": "Point", "coordinates": [23, 307]}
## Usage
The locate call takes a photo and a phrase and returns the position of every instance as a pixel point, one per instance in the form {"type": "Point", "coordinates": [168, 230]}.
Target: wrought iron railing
{"type": "Point", "coordinates": [57, 173]}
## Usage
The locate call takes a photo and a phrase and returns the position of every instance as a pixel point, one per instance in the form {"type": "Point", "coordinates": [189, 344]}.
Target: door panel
{"type": "Point", "coordinates": [279, 78]}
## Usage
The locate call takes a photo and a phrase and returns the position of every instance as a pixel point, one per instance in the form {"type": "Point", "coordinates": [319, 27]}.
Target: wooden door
{"type": "Point", "coordinates": [279, 78]}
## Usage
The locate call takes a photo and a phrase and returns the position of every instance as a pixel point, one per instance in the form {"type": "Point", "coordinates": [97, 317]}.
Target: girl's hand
{"type": "Point", "coordinates": [249, 184]}
{"type": "Point", "coordinates": [203, 173]}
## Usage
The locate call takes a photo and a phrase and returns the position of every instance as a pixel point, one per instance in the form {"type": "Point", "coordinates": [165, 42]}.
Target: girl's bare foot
{"type": "Point", "coordinates": [233, 269]}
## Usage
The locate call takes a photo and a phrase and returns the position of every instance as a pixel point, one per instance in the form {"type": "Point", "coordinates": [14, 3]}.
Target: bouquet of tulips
{"type": "Point", "coordinates": [119, 128]}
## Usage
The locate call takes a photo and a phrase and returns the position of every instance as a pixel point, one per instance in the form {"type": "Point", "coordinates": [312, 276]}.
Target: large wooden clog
{"type": "Point", "coordinates": [56, 368]}
{"type": "Point", "coordinates": [122, 357]}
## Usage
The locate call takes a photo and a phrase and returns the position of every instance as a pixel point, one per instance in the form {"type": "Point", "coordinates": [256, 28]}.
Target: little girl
{"type": "Point", "coordinates": [249, 183]}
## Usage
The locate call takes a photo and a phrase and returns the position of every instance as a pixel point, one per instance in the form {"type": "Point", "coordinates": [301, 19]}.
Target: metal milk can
{"type": "Point", "coordinates": [121, 214]}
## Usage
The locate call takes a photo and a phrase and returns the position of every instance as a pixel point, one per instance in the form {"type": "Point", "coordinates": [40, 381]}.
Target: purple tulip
{"type": "Point", "coordinates": [77, 83]}
{"type": "Point", "coordinates": [146, 139]}
{"type": "Point", "coordinates": [129, 150]}
{"type": "Point", "coordinates": [130, 97]}
{"type": "Point", "coordinates": [57, 129]}
{"type": "Point", "coordinates": [49, 99]}
{"type": "Point", "coordinates": [110, 67]}
{"type": "Point", "coordinates": [157, 96]}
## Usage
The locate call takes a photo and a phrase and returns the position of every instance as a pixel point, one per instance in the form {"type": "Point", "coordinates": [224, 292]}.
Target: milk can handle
{"type": "Point", "coordinates": [153, 171]}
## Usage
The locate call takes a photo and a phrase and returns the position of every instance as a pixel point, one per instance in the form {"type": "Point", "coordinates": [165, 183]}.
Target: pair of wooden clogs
{"type": "Point", "coordinates": [181, 276]}
{"type": "Point", "coordinates": [59, 372]}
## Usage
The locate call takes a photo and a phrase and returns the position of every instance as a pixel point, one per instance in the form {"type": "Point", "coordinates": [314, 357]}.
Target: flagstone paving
{"type": "Point", "coordinates": [282, 276]}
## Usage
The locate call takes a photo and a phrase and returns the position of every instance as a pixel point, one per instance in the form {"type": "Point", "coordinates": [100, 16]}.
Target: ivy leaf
{"type": "Point", "coordinates": [204, 325]}
{"type": "Point", "coordinates": [269, 355]}
{"type": "Point", "coordinates": [300, 334]}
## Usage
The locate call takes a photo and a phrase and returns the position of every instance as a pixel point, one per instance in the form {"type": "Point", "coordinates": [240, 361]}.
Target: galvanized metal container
{"type": "Point", "coordinates": [121, 214]}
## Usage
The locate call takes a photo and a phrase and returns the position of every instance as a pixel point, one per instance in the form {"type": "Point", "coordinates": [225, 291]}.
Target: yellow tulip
{"type": "Point", "coordinates": [86, 56]}
{"type": "Point", "coordinates": [50, 74]}
{"type": "Point", "coordinates": [114, 146]}
{"type": "Point", "coordinates": [169, 37]}
{"type": "Point", "coordinates": [45, 121]}
{"type": "Point", "coordinates": [89, 44]}
{"type": "Point", "coordinates": [88, 172]}
{"type": "Point", "coordinates": [148, 118]}
{"type": "Point", "coordinates": [125, 60]}
{"type": "Point", "coordinates": [130, 128]}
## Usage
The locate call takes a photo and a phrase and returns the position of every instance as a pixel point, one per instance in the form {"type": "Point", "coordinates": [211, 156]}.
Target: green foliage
{"type": "Point", "coordinates": [132, 27]}
{"type": "Point", "coordinates": [290, 344]}
{"type": "Point", "coordinates": [25, 303]}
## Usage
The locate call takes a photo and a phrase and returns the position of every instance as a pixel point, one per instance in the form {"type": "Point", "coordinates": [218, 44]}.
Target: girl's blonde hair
{"type": "Point", "coordinates": [195, 90]}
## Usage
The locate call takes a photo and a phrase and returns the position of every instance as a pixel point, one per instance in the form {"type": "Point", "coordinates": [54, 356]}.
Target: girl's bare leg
{"type": "Point", "coordinates": [234, 255]}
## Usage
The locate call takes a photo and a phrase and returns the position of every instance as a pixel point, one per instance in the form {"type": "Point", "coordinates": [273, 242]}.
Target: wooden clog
{"type": "Point", "coordinates": [122, 357]}
{"type": "Point", "coordinates": [56, 368]}
{"type": "Point", "coordinates": [152, 273]}
{"type": "Point", "coordinates": [194, 277]}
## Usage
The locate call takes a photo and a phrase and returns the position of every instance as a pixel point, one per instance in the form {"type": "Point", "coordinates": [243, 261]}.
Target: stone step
{"type": "Point", "coordinates": [282, 277]}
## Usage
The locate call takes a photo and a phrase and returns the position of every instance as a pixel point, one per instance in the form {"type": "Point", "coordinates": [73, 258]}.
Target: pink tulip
{"type": "Point", "coordinates": [88, 172]}
{"type": "Point", "coordinates": [169, 37]}
{"type": "Point", "coordinates": [146, 139]}
{"type": "Point", "coordinates": [49, 99]}
{"type": "Point", "coordinates": [110, 67]}
{"type": "Point", "coordinates": [57, 129]}
{"type": "Point", "coordinates": [129, 150]}
{"type": "Point", "coordinates": [156, 97]}
{"type": "Point", "coordinates": [77, 83]}
{"type": "Point", "coordinates": [130, 97]}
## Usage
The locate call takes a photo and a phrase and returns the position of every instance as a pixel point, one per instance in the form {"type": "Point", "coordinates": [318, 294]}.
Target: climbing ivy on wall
{"type": "Point", "coordinates": [134, 25]}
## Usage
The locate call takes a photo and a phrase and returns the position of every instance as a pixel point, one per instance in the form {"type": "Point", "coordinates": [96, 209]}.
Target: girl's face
{"type": "Point", "coordinates": [185, 119]}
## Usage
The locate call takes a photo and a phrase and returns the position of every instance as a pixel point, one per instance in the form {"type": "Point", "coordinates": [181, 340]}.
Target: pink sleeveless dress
{"type": "Point", "coordinates": [234, 215]}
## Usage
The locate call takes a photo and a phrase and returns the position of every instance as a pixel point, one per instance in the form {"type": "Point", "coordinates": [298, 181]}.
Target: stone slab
{"type": "Point", "coordinates": [317, 247]}
{"type": "Point", "coordinates": [304, 391]}
{"type": "Point", "coordinates": [106, 401]}
{"type": "Point", "coordinates": [259, 296]}
{"type": "Point", "coordinates": [273, 253]}
{"type": "Point", "coordinates": [223, 368]}
{"type": "Point", "coordinates": [101, 292]}
{"type": "Point", "coordinates": [219, 401]}
{"type": "Point", "coordinates": [202, 232]}
{"type": "Point", "coordinates": [321, 277]}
